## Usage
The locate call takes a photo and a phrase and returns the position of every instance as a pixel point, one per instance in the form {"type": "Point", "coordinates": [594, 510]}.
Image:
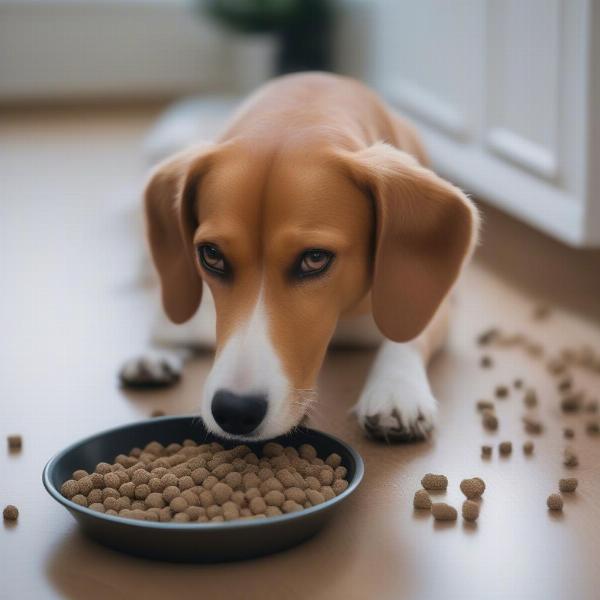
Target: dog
{"type": "Point", "coordinates": [314, 217]}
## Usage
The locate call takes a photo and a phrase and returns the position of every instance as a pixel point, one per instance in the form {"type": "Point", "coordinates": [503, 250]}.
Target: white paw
{"type": "Point", "coordinates": [151, 370]}
{"type": "Point", "coordinates": [397, 410]}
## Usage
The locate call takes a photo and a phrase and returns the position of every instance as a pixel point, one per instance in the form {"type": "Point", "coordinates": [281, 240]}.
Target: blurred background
{"type": "Point", "coordinates": [506, 95]}
{"type": "Point", "coordinates": [506, 92]}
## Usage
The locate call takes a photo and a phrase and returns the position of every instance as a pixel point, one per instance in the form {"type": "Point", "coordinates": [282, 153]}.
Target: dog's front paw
{"type": "Point", "coordinates": [396, 411]}
{"type": "Point", "coordinates": [151, 370]}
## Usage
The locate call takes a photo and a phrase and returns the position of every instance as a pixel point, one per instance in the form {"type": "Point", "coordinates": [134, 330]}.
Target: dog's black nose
{"type": "Point", "coordinates": [236, 414]}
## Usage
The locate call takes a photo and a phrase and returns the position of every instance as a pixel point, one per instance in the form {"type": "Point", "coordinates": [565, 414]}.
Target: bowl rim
{"type": "Point", "coordinates": [359, 470]}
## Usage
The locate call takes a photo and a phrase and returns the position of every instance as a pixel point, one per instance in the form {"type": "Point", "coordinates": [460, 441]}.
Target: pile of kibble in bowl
{"type": "Point", "coordinates": [206, 483]}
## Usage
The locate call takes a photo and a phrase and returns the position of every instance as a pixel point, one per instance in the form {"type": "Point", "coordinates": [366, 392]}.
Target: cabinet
{"type": "Point", "coordinates": [506, 94]}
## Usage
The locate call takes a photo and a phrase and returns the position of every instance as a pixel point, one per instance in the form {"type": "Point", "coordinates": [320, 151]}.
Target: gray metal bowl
{"type": "Point", "coordinates": [193, 542]}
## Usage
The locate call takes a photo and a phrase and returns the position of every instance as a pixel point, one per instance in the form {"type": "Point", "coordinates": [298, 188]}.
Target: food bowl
{"type": "Point", "coordinates": [193, 542]}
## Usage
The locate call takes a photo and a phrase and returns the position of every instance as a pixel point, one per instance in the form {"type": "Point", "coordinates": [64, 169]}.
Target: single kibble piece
{"type": "Point", "coordinates": [485, 405]}
{"type": "Point", "coordinates": [10, 513]}
{"type": "Point", "coordinates": [570, 458]}
{"type": "Point", "coordinates": [568, 484]}
{"type": "Point", "coordinates": [486, 451]}
{"type": "Point", "coordinates": [528, 447]}
{"type": "Point", "coordinates": [422, 500]}
{"type": "Point", "coordinates": [556, 366]}
{"type": "Point", "coordinates": [490, 420]}
{"type": "Point", "coordinates": [157, 413]}
{"type": "Point", "coordinates": [443, 512]}
{"type": "Point", "coordinates": [15, 442]}
{"type": "Point", "coordinates": [532, 425]}
{"type": "Point", "coordinates": [530, 399]}
{"type": "Point", "coordinates": [505, 448]}
{"type": "Point", "coordinates": [431, 481]}
{"type": "Point", "coordinates": [502, 391]}
{"type": "Point", "coordinates": [486, 362]}
{"type": "Point", "coordinates": [568, 433]}
{"type": "Point", "coordinates": [554, 502]}
{"type": "Point", "coordinates": [470, 510]}
{"type": "Point", "coordinates": [565, 384]}
{"type": "Point", "coordinates": [518, 384]}
{"type": "Point", "coordinates": [472, 488]}
{"type": "Point", "coordinates": [69, 488]}
{"type": "Point", "coordinates": [488, 336]}
{"type": "Point", "coordinates": [593, 427]}
{"type": "Point", "coordinates": [572, 402]}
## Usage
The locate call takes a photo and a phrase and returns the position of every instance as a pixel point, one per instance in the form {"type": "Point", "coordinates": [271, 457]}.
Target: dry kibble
{"type": "Point", "coordinates": [488, 336]}
{"type": "Point", "coordinates": [200, 483]}
{"type": "Point", "coordinates": [431, 481]}
{"type": "Point", "coordinates": [470, 510]}
{"type": "Point", "coordinates": [257, 505]}
{"type": "Point", "coordinates": [485, 405]}
{"type": "Point", "coordinates": [505, 448]}
{"type": "Point", "coordinates": [314, 497]}
{"type": "Point", "coordinates": [528, 447]}
{"type": "Point", "coordinates": [486, 451]}
{"type": "Point", "coordinates": [339, 486]}
{"type": "Point", "coordinates": [593, 427]}
{"type": "Point", "coordinates": [15, 443]}
{"type": "Point", "coordinates": [532, 424]}
{"type": "Point", "coordinates": [10, 513]}
{"type": "Point", "coordinates": [443, 512]}
{"type": "Point", "coordinates": [79, 499]}
{"type": "Point", "coordinates": [572, 402]}
{"type": "Point", "coordinates": [422, 500]}
{"type": "Point", "coordinates": [486, 361]}
{"type": "Point", "coordinates": [570, 458]}
{"type": "Point", "coordinates": [502, 391]}
{"type": "Point", "coordinates": [490, 420]}
{"type": "Point", "coordinates": [568, 485]}
{"type": "Point", "coordinates": [472, 488]}
{"type": "Point", "coordinates": [530, 399]}
{"type": "Point", "coordinates": [554, 502]}
{"type": "Point", "coordinates": [157, 413]}
{"type": "Point", "coordinates": [69, 488]}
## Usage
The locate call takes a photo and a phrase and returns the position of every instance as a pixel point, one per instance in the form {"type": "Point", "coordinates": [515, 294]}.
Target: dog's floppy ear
{"type": "Point", "coordinates": [169, 203]}
{"type": "Point", "coordinates": [425, 230]}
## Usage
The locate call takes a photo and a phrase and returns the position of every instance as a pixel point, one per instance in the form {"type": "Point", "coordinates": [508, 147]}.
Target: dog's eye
{"type": "Point", "coordinates": [212, 259]}
{"type": "Point", "coordinates": [314, 262]}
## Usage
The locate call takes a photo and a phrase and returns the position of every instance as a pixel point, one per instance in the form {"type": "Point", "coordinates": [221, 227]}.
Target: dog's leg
{"type": "Point", "coordinates": [396, 403]}
{"type": "Point", "coordinates": [172, 346]}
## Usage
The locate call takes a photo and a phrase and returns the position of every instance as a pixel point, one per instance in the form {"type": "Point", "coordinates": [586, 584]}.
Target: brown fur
{"type": "Point", "coordinates": [310, 161]}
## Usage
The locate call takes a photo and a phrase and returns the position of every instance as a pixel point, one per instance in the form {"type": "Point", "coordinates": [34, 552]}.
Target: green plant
{"type": "Point", "coordinates": [255, 16]}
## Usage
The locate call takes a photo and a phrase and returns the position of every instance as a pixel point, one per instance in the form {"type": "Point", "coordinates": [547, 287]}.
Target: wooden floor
{"type": "Point", "coordinates": [72, 308]}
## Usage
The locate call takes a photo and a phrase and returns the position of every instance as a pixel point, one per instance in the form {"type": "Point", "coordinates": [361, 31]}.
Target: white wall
{"type": "Point", "coordinates": [100, 48]}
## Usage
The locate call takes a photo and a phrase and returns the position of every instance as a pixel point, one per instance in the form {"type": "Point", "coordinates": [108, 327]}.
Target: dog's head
{"type": "Point", "coordinates": [288, 242]}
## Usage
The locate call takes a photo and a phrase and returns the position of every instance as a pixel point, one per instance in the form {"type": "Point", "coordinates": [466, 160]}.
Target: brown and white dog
{"type": "Point", "coordinates": [314, 215]}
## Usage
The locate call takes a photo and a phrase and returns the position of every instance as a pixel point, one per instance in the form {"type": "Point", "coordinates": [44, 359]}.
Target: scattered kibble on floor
{"type": "Point", "coordinates": [554, 502]}
{"type": "Point", "coordinates": [485, 405]}
{"type": "Point", "coordinates": [570, 458]}
{"type": "Point", "coordinates": [502, 391]}
{"type": "Point", "coordinates": [505, 448]}
{"type": "Point", "coordinates": [593, 427]}
{"type": "Point", "coordinates": [470, 510]}
{"type": "Point", "coordinates": [569, 484]}
{"type": "Point", "coordinates": [530, 399]}
{"type": "Point", "coordinates": [431, 481]}
{"type": "Point", "coordinates": [422, 500]}
{"type": "Point", "coordinates": [486, 451]}
{"type": "Point", "coordinates": [532, 424]}
{"type": "Point", "coordinates": [472, 488]}
{"type": "Point", "coordinates": [568, 433]}
{"type": "Point", "coordinates": [490, 420]}
{"type": "Point", "coordinates": [15, 442]}
{"type": "Point", "coordinates": [443, 512]}
{"type": "Point", "coordinates": [572, 402]}
{"type": "Point", "coordinates": [528, 447]}
{"type": "Point", "coordinates": [10, 513]}
{"type": "Point", "coordinates": [486, 361]}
